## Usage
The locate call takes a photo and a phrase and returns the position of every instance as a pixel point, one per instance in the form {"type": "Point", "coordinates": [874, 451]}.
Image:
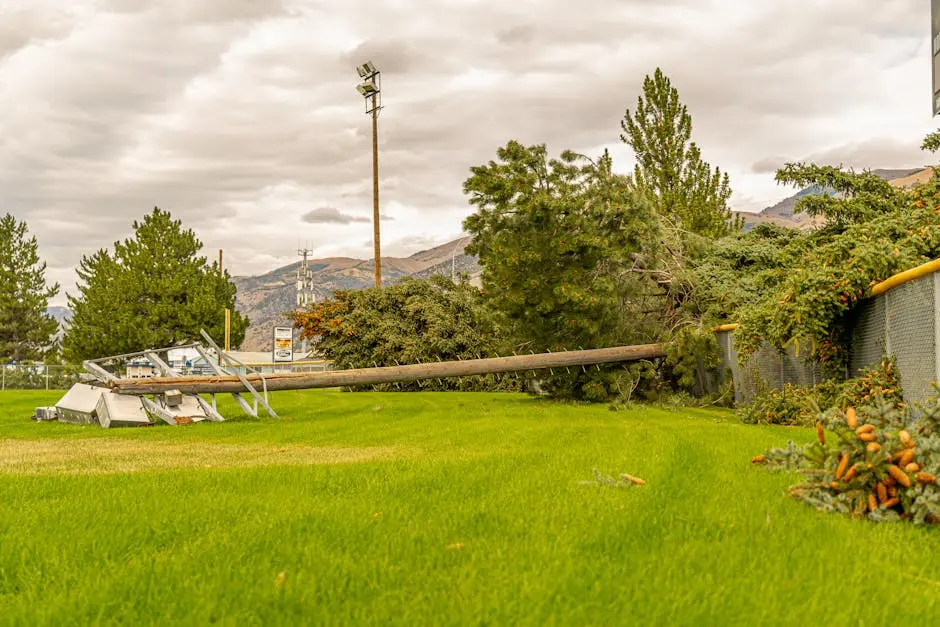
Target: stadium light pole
{"type": "Point", "coordinates": [371, 90]}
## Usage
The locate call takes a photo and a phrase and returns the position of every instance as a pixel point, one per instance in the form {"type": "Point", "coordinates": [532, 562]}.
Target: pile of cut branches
{"type": "Point", "coordinates": [800, 405]}
{"type": "Point", "coordinates": [878, 463]}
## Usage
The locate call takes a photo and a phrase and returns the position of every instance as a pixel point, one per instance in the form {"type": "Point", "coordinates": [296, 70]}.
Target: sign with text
{"type": "Point", "coordinates": [283, 344]}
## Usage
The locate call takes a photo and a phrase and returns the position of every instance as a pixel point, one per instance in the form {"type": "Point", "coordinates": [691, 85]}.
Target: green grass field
{"type": "Point", "coordinates": [434, 509]}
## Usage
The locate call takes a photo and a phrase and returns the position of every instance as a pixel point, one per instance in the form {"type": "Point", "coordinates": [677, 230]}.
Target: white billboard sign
{"type": "Point", "coordinates": [283, 344]}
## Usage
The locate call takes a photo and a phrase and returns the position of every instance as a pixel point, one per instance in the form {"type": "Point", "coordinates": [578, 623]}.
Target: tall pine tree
{"type": "Point", "coordinates": [669, 167]}
{"type": "Point", "coordinates": [27, 332]}
{"type": "Point", "coordinates": [557, 239]}
{"type": "Point", "coordinates": [152, 291]}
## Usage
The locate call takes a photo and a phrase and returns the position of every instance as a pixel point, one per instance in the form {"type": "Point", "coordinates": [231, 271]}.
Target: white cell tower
{"type": "Point", "coordinates": [305, 295]}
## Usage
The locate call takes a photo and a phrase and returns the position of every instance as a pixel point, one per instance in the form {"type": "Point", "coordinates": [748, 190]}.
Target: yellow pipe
{"type": "Point", "coordinates": [908, 275]}
{"type": "Point", "coordinates": [228, 329]}
{"type": "Point", "coordinates": [727, 327]}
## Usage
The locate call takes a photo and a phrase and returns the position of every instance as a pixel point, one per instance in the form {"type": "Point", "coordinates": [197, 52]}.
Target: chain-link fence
{"type": "Point", "coordinates": [38, 377]}
{"type": "Point", "coordinates": [902, 323]}
{"type": "Point", "coordinates": [767, 368]}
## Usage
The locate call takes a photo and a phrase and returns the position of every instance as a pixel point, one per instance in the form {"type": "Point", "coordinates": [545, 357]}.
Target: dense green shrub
{"type": "Point", "coordinates": [881, 381]}
{"type": "Point", "coordinates": [411, 322]}
{"type": "Point", "coordinates": [35, 377]}
{"type": "Point", "coordinates": [794, 405]}
{"type": "Point", "coordinates": [791, 405]}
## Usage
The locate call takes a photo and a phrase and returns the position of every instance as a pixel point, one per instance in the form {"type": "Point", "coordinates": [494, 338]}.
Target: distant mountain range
{"type": "Point", "coordinates": [62, 315]}
{"type": "Point", "coordinates": [783, 213]}
{"type": "Point", "coordinates": [265, 298]}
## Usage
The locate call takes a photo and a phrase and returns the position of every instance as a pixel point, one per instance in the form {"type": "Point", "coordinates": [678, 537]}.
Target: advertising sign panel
{"type": "Point", "coordinates": [283, 344]}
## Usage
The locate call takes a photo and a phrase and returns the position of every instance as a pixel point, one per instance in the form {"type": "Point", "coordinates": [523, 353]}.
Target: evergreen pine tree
{"type": "Point", "coordinates": [669, 166]}
{"type": "Point", "coordinates": [556, 239]}
{"type": "Point", "coordinates": [152, 291]}
{"type": "Point", "coordinates": [27, 332]}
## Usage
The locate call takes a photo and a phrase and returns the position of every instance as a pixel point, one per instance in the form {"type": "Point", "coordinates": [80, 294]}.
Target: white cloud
{"type": "Point", "coordinates": [240, 116]}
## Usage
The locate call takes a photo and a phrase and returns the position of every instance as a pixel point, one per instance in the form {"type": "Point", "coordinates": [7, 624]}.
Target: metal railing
{"type": "Point", "coordinates": [62, 377]}
{"type": "Point", "coordinates": [293, 367]}
{"type": "Point", "coordinates": [38, 376]}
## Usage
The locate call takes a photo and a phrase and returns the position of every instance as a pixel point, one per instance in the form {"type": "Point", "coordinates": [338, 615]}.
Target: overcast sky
{"type": "Point", "coordinates": [241, 116]}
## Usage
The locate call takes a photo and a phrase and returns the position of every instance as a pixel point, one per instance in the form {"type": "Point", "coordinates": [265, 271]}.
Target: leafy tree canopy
{"type": "Point", "coordinates": [409, 322]}
{"type": "Point", "coordinates": [27, 332]}
{"type": "Point", "coordinates": [152, 291]}
{"type": "Point", "coordinates": [786, 286]}
{"type": "Point", "coordinates": [847, 196]}
{"type": "Point", "coordinates": [559, 240]}
{"type": "Point", "coordinates": [736, 271]}
{"type": "Point", "coordinates": [931, 142]}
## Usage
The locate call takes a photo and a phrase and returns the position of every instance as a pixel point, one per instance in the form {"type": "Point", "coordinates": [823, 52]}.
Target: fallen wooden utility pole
{"type": "Point", "coordinates": [390, 374]}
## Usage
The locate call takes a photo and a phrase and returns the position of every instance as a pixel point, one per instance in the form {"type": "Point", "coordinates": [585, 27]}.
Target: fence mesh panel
{"type": "Point", "coordinates": [38, 377]}
{"type": "Point", "coordinates": [867, 336]}
{"type": "Point", "coordinates": [910, 322]}
{"type": "Point", "coordinates": [767, 368]}
{"type": "Point", "coordinates": [903, 322]}
{"type": "Point", "coordinates": [728, 361]}
{"type": "Point", "coordinates": [797, 368]}
{"type": "Point", "coordinates": [763, 368]}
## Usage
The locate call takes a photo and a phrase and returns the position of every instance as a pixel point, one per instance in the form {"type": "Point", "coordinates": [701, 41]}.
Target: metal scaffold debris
{"type": "Point", "coordinates": [111, 401]}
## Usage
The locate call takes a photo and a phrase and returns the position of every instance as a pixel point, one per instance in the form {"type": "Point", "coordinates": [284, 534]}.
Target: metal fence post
{"type": "Point", "coordinates": [47, 377]}
{"type": "Point", "coordinates": [887, 298]}
{"type": "Point", "coordinates": [936, 326]}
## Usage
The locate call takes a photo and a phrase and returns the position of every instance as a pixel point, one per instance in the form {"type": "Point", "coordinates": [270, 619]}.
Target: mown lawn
{"type": "Point", "coordinates": [434, 509]}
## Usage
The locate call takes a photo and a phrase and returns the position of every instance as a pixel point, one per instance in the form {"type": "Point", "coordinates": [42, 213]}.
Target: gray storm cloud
{"type": "Point", "coordinates": [240, 115]}
{"type": "Point", "coordinates": [330, 215]}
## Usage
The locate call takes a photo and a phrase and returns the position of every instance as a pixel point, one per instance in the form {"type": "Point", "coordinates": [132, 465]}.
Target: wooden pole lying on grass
{"type": "Point", "coordinates": [389, 374]}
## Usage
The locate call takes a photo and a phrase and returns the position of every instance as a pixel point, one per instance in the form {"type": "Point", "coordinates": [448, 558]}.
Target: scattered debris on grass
{"type": "Point", "coordinates": [632, 479]}
{"type": "Point", "coordinates": [623, 481]}
{"type": "Point", "coordinates": [797, 405]}
{"type": "Point", "coordinates": [782, 459]}
{"type": "Point", "coordinates": [880, 463]}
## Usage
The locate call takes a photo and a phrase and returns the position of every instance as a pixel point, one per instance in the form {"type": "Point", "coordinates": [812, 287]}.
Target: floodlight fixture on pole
{"type": "Point", "coordinates": [367, 89]}
{"type": "Point", "coordinates": [371, 90]}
